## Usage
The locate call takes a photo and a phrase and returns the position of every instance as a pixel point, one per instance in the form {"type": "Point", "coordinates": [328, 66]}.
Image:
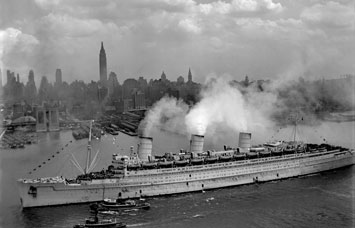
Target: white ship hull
{"type": "Point", "coordinates": [157, 182]}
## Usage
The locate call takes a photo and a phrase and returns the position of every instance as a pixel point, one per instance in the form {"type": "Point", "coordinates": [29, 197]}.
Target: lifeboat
{"type": "Point", "coordinates": [196, 161]}
{"type": "Point", "coordinates": [252, 155]}
{"type": "Point", "coordinates": [276, 152]}
{"type": "Point", "coordinates": [165, 164]}
{"type": "Point", "coordinates": [257, 149]}
{"type": "Point", "coordinates": [225, 158]}
{"type": "Point", "coordinates": [181, 162]}
{"type": "Point", "coordinates": [211, 159]}
{"type": "Point", "coordinates": [149, 165]}
{"type": "Point", "coordinates": [239, 156]}
{"type": "Point", "coordinates": [133, 166]}
{"type": "Point", "coordinates": [265, 153]}
{"type": "Point", "coordinates": [289, 150]}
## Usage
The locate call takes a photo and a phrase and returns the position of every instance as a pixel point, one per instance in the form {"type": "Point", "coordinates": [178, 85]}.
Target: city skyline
{"type": "Point", "coordinates": [103, 78]}
{"type": "Point", "coordinates": [264, 39]}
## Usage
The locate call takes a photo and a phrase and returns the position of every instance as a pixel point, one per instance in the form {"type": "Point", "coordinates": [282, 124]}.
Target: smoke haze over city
{"type": "Point", "coordinates": [264, 39]}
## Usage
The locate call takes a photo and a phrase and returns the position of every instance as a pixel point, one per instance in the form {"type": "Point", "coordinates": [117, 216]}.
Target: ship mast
{"type": "Point", "coordinates": [88, 155]}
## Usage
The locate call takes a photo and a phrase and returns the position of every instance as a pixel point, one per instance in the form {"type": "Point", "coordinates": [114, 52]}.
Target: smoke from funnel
{"type": "Point", "coordinates": [220, 103]}
{"type": "Point", "coordinates": [168, 113]}
{"type": "Point", "coordinates": [227, 106]}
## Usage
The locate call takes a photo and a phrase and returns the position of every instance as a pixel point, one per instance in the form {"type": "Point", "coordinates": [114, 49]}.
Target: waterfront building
{"type": "Point", "coordinates": [138, 98]}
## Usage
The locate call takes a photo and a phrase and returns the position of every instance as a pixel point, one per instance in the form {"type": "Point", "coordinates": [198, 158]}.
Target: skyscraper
{"type": "Point", "coordinates": [58, 77]}
{"type": "Point", "coordinates": [30, 88]}
{"type": "Point", "coordinates": [189, 76]}
{"type": "Point", "coordinates": [0, 79]}
{"type": "Point", "coordinates": [112, 82]}
{"type": "Point", "coordinates": [103, 65]}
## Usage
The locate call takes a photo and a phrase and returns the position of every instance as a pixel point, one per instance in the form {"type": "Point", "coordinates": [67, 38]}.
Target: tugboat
{"type": "Point", "coordinates": [105, 223]}
{"type": "Point", "coordinates": [116, 205]}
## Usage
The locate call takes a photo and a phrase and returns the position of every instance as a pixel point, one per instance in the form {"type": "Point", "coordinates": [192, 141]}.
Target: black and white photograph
{"type": "Point", "coordinates": [177, 113]}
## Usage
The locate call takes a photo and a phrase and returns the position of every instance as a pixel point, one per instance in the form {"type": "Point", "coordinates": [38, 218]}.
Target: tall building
{"type": "Point", "coordinates": [30, 88]}
{"type": "Point", "coordinates": [11, 79]}
{"type": "Point", "coordinates": [112, 82]}
{"type": "Point", "coordinates": [163, 77]}
{"type": "Point", "coordinates": [189, 76]}
{"type": "Point", "coordinates": [0, 79]}
{"type": "Point", "coordinates": [180, 80]}
{"type": "Point", "coordinates": [58, 77]}
{"type": "Point", "coordinates": [31, 77]}
{"type": "Point", "coordinates": [103, 65]}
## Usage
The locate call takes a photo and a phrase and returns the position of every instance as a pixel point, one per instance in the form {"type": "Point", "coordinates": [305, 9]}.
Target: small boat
{"type": "Point", "coordinates": [252, 155]}
{"type": "Point", "coordinates": [181, 162]}
{"type": "Point", "coordinates": [277, 152]}
{"type": "Point", "coordinates": [165, 164]}
{"type": "Point", "coordinates": [239, 156]}
{"type": "Point", "coordinates": [105, 223]}
{"type": "Point", "coordinates": [265, 153]}
{"type": "Point", "coordinates": [257, 149]}
{"type": "Point", "coordinates": [196, 161]}
{"type": "Point", "coordinates": [116, 205]}
{"type": "Point", "coordinates": [225, 158]}
{"type": "Point", "coordinates": [211, 159]}
{"type": "Point", "coordinates": [149, 165]}
{"type": "Point", "coordinates": [289, 151]}
{"type": "Point", "coordinates": [133, 166]}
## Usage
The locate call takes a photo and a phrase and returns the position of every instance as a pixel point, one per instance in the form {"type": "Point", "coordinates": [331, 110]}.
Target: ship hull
{"type": "Point", "coordinates": [184, 179]}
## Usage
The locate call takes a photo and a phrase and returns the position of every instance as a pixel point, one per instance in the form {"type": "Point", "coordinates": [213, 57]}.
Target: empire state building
{"type": "Point", "coordinates": [103, 65]}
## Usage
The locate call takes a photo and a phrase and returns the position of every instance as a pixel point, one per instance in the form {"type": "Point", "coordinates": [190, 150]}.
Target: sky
{"type": "Point", "coordinates": [264, 39]}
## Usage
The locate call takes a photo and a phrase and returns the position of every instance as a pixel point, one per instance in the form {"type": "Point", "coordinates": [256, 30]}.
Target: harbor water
{"type": "Point", "coordinates": [321, 200]}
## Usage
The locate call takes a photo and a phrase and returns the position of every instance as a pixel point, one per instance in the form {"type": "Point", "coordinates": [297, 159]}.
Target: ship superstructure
{"type": "Point", "coordinates": [143, 175]}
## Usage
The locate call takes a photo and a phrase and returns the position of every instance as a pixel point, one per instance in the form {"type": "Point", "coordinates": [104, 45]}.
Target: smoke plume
{"type": "Point", "coordinates": [227, 107]}
{"type": "Point", "coordinates": [222, 105]}
{"type": "Point", "coordinates": [168, 114]}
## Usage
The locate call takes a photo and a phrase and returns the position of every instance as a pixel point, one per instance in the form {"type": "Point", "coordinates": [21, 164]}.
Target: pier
{"type": "Point", "coordinates": [18, 139]}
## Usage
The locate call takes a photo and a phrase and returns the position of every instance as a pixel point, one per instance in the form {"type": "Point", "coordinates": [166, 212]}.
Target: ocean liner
{"type": "Point", "coordinates": [142, 175]}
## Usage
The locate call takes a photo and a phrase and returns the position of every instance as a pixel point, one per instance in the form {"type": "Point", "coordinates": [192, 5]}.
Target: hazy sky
{"type": "Point", "coordinates": [261, 38]}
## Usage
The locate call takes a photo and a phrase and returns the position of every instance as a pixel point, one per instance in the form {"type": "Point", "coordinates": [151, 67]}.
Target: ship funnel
{"type": "Point", "coordinates": [145, 148]}
{"type": "Point", "coordinates": [196, 143]}
{"type": "Point", "coordinates": [244, 141]}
